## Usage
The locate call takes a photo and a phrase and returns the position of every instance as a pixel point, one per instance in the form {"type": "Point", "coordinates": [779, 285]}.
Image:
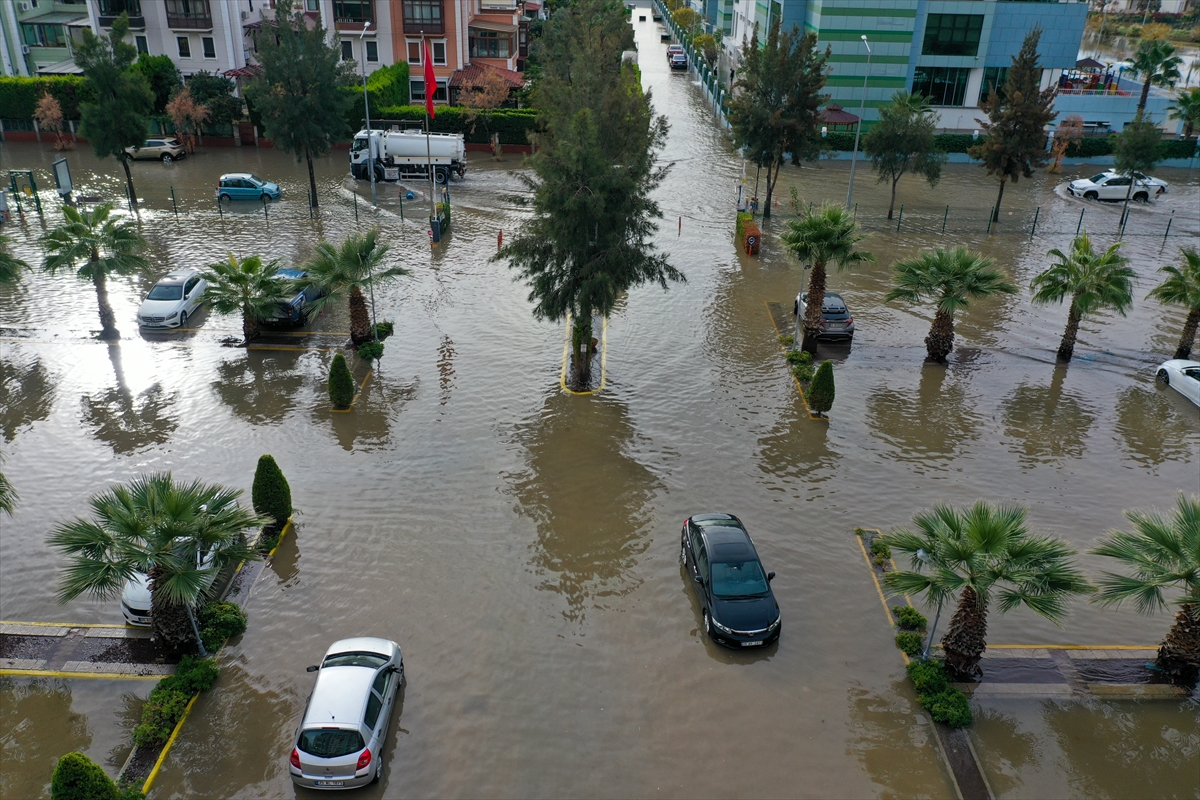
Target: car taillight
{"type": "Point", "coordinates": [849, 320]}
{"type": "Point", "coordinates": [295, 758]}
{"type": "Point", "coordinates": [364, 760]}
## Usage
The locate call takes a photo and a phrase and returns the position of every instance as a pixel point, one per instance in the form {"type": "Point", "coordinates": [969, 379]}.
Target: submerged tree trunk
{"type": "Point", "coordinates": [1189, 334]}
{"type": "Point", "coordinates": [360, 319]}
{"type": "Point", "coordinates": [581, 340]}
{"type": "Point", "coordinates": [892, 204]}
{"type": "Point", "coordinates": [966, 638]}
{"type": "Point", "coordinates": [312, 180]}
{"type": "Point", "coordinates": [772, 179]}
{"type": "Point", "coordinates": [1125, 210]}
{"type": "Point", "coordinates": [169, 622]}
{"type": "Point", "coordinates": [812, 313]}
{"type": "Point", "coordinates": [1179, 655]}
{"type": "Point", "coordinates": [108, 320]}
{"type": "Point", "coordinates": [249, 327]}
{"type": "Point", "coordinates": [940, 340]}
{"type": "Point", "coordinates": [129, 181]}
{"type": "Point", "coordinates": [999, 198]}
{"type": "Point", "coordinates": [1066, 349]}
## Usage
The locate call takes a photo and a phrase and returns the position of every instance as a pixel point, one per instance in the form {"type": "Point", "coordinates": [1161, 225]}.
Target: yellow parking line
{"type": "Point", "coordinates": [282, 534]}
{"type": "Point", "coordinates": [795, 380]}
{"type": "Point", "coordinates": [562, 375]}
{"type": "Point", "coordinates": [1072, 647]}
{"type": "Point", "coordinates": [167, 747]}
{"type": "Point", "coordinates": [54, 673]}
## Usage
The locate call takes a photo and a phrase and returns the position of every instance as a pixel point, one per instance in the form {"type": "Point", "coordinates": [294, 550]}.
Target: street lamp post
{"type": "Point", "coordinates": [367, 111]}
{"type": "Point", "coordinates": [862, 105]}
{"type": "Point", "coordinates": [924, 558]}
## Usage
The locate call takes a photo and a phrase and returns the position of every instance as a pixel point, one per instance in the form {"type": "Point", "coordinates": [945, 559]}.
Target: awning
{"type": "Point", "coordinates": [492, 25]}
{"type": "Point", "coordinates": [248, 71]}
{"type": "Point", "coordinates": [474, 72]}
{"type": "Point", "coordinates": [1088, 63]}
{"type": "Point", "coordinates": [56, 18]}
{"type": "Point", "coordinates": [68, 67]}
{"type": "Point", "coordinates": [834, 115]}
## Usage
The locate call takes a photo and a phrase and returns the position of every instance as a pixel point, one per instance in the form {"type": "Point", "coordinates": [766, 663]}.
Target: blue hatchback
{"type": "Point", "coordinates": [244, 186]}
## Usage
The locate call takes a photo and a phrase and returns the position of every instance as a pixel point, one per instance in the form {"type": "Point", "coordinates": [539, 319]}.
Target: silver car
{"type": "Point", "coordinates": [346, 720]}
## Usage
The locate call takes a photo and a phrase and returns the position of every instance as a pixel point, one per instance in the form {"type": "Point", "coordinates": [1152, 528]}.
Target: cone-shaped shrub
{"type": "Point", "coordinates": [271, 494]}
{"type": "Point", "coordinates": [341, 383]}
{"type": "Point", "coordinates": [77, 777]}
{"type": "Point", "coordinates": [820, 394]}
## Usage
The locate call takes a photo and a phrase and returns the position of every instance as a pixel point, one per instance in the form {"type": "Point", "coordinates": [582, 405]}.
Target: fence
{"type": "Point", "coordinates": [710, 84]}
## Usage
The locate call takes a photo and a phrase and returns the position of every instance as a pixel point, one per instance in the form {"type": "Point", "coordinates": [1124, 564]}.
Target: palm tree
{"type": "Point", "coordinates": [103, 246]}
{"type": "Point", "coordinates": [975, 552]}
{"type": "Point", "coordinates": [1182, 287]}
{"type": "Point", "coordinates": [951, 277]}
{"type": "Point", "coordinates": [249, 286]}
{"type": "Point", "coordinates": [1157, 63]}
{"type": "Point", "coordinates": [8, 495]}
{"type": "Point", "coordinates": [164, 529]}
{"type": "Point", "coordinates": [1161, 554]}
{"type": "Point", "coordinates": [344, 270]}
{"type": "Point", "coordinates": [1187, 109]}
{"type": "Point", "coordinates": [824, 235]}
{"type": "Point", "coordinates": [1091, 281]}
{"type": "Point", "coordinates": [10, 265]}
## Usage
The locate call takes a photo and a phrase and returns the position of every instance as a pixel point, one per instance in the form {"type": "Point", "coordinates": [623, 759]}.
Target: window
{"type": "Point", "coordinates": [489, 44]}
{"type": "Point", "coordinates": [414, 52]}
{"type": "Point", "coordinates": [993, 81]}
{"type": "Point", "coordinates": [439, 53]}
{"type": "Point", "coordinates": [193, 14]}
{"type": "Point", "coordinates": [309, 5]}
{"type": "Point", "coordinates": [944, 86]}
{"type": "Point", "coordinates": [185, 46]}
{"type": "Point", "coordinates": [114, 8]}
{"type": "Point", "coordinates": [374, 704]}
{"type": "Point", "coordinates": [191, 284]}
{"type": "Point", "coordinates": [43, 35]}
{"type": "Point", "coordinates": [142, 45]}
{"type": "Point", "coordinates": [330, 743]}
{"type": "Point", "coordinates": [347, 50]}
{"type": "Point", "coordinates": [355, 11]}
{"type": "Point", "coordinates": [952, 34]}
{"type": "Point", "coordinates": [372, 51]}
{"type": "Point", "coordinates": [416, 91]}
{"type": "Point", "coordinates": [210, 47]}
{"type": "Point", "coordinates": [423, 16]}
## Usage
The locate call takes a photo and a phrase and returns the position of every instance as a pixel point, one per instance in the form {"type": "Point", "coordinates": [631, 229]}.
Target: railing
{"type": "Point", "coordinates": [189, 21]}
{"type": "Point", "coordinates": [1097, 92]}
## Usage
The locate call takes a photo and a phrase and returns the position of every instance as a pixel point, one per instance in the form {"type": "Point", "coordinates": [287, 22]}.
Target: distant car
{"type": "Point", "coordinates": [346, 719]}
{"type": "Point", "coordinates": [166, 150]}
{"type": "Point", "coordinates": [672, 49]}
{"type": "Point", "coordinates": [1182, 376]}
{"type": "Point", "coordinates": [735, 595]}
{"type": "Point", "coordinates": [244, 186]}
{"type": "Point", "coordinates": [295, 310]}
{"type": "Point", "coordinates": [176, 296]}
{"type": "Point", "coordinates": [135, 597]}
{"type": "Point", "coordinates": [679, 61]}
{"type": "Point", "coordinates": [836, 321]}
{"type": "Point", "coordinates": [1111, 185]}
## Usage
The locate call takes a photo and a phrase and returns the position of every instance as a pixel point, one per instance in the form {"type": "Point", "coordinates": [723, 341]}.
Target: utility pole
{"type": "Point", "coordinates": [362, 45]}
{"type": "Point", "coordinates": [862, 107]}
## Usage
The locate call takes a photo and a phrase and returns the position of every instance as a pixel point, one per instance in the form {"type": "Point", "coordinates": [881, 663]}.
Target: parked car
{"type": "Point", "coordinates": [735, 595]}
{"type": "Point", "coordinates": [295, 309]}
{"type": "Point", "coordinates": [1111, 185]}
{"type": "Point", "coordinates": [672, 49]}
{"type": "Point", "coordinates": [244, 186]}
{"type": "Point", "coordinates": [166, 150]}
{"type": "Point", "coordinates": [176, 296]}
{"type": "Point", "coordinates": [679, 61]}
{"type": "Point", "coordinates": [135, 597]}
{"type": "Point", "coordinates": [1182, 376]}
{"type": "Point", "coordinates": [836, 321]}
{"type": "Point", "coordinates": [346, 719]}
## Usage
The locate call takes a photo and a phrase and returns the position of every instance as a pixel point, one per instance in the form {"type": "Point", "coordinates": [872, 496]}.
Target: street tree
{"type": "Point", "coordinates": [951, 278]}
{"type": "Point", "coordinates": [1018, 113]}
{"type": "Point", "coordinates": [96, 245]}
{"type": "Point", "coordinates": [120, 116]}
{"type": "Point", "coordinates": [708, 46]}
{"type": "Point", "coordinates": [49, 116]}
{"type": "Point", "coordinates": [822, 236]}
{"type": "Point", "coordinates": [1092, 280]}
{"type": "Point", "coordinates": [687, 18]}
{"type": "Point", "coordinates": [1161, 554]}
{"type": "Point", "coordinates": [1136, 152]}
{"type": "Point", "coordinates": [166, 530]}
{"type": "Point", "coordinates": [246, 286]}
{"type": "Point", "coordinates": [1182, 287]}
{"type": "Point", "coordinates": [215, 92]}
{"type": "Point", "coordinates": [1187, 110]}
{"type": "Point", "coordinates": [188, 116]}
{"type": "Point", "coordinates": [904, 141]}
{"type": "Point", "coordinates": [162, 76]}
{"type": "Point", "coordinates": [982, 553]}
{"type": "Point", "coordinates": [773, 109]}
{"type": "Point", "coordinates": [342, 272]}
{"type": "Point", "coordinates": [1157, 64]}
{"type": "Point", "coordinates": [11, 267]}
{"type": "Point", "coordinates": [298, 94]}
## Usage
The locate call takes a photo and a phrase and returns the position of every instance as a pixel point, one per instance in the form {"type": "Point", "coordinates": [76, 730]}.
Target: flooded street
{"type": "Point", "coordinates": [522, 544]}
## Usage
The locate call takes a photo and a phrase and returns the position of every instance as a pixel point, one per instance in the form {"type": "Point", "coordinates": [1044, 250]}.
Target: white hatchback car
{"type": "Point", "coordinates": [1181, 375]}
{"type": "Point", "coordinates": [176, 296]}
{"type": "Point", "coordinates": [1111, 185]}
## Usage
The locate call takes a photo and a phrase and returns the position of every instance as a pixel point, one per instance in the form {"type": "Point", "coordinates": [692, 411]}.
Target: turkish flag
{"type": "Point", "coordinates": [430, 80]}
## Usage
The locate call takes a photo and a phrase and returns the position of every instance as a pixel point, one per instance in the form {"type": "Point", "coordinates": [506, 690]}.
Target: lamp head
{"type": "Point", "coordinates": [366, 25]}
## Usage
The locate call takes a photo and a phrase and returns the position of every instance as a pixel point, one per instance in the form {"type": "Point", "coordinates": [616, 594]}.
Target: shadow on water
{"type": "Point", "coordinates": [286, 561]}
{"type": "Point", "coordinates": [932, 424]}
{"type": "Point", "coordinates": [1151, 428]}
{"type": "Point", "coordinates": [128, 717]}
{"type": "Point", "coordinates": [37, 726]}
{"type": "Point", "coordinates": [589, 499]}
{"type": "Point", "coordinates": [893, 741]}
{"type": "Point", "coordinates": [1009, 753]}
{"type": "Point", "coordinates": [260, 387]}
{"type": "Point", "coordinates": [1050, 425]}
{"type": "Point", "coordinates": [26, 394]}
{"type": "Point", "coordinates": [127, 422]}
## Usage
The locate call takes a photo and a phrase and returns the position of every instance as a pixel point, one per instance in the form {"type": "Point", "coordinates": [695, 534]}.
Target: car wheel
{"type": "Point", "coordinates": [1163, 378]}
{"type": "Point", "coordinates": [226, 199]}
{"type": "Point", "coordinates": [707, 624]}
{"type": "Point", "coordinates": [682, 554]}
{"type": "Point", "coordinates": [378, 771]}
{"type": "Point", "coordinates": [1142, 197]}
{"type": "Point", "coordinates": [166, 158]}
{"type": "Point", "coordinates": [183, 319]}
{"type": "Point", "coordinates": [441, 176]}
{"type": "Point", "coordinates": [1091, 196]}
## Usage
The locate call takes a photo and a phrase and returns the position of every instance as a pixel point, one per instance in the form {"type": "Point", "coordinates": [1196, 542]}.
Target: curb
{"type": "Point", "coordinates": [162, 756]}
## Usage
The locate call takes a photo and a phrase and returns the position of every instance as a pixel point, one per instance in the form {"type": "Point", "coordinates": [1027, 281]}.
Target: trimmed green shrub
{"type": "Point", "coordinates": [272, 496]}
{"type": "Point", "coordinates": [387, 87]}
{"type": "Point", "coordinates": [820, 394]}
{"type": "Point", "coordinates": [169, 698]}
{"type": "Point", "coordinates": [909, 619]}
{"type": "Point", "coordinates": [928, 677]}
{"type": "Point", "coordinates": [382, 330]}
{"type": "Point", "coordinates": [799, 356]}
{"type": "Point", "coordinates": [742, 218]}
{"type": "Point", "coordinates": [370, 351]}
{"type": "Point", "coordinates": [803, 372]}
{"type": "Point", "coordinates": [219, 621]}
{"type": "Point", "coordinates": [77, 777]}
{"type": "Point", "coordinates": [341, 383]}
{"type": "Point", "coordinates": [880, 548]}
{"type": "Point", "coordinates": [909, 642]}
{"type": "Point", "coordinates": [949, 706]}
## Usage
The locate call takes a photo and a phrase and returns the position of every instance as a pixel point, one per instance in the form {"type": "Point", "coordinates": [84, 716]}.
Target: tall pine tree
{"type": "Point", "coordinates": [1018, 113]}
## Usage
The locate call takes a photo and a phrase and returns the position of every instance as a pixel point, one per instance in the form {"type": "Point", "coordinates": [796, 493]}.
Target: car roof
{"type": "Point", "coordinates": [339, 696]}
{"type": "Point", "coordinates": [176, 276]}
{"type": "Point", "coordinates": [362, 644]}
{"type": "Point", "coordinates": [236, 175]}
{"type": "Point", "coordinates": [291, 272]}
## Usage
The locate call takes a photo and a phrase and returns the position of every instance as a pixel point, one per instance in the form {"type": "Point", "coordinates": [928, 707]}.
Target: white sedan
{"type": "Point", "coordinates": [176, 295]}
{"type": "Point", "coordinates": [1111, 185]}
{"type": "Point", "coordinates": [1182, 376]}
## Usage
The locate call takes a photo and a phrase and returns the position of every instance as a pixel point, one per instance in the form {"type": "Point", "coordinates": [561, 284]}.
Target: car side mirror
{"type": "Point", "coordinates": [313, 668]}
{"type": "Point", "coordinates": [770, 576]}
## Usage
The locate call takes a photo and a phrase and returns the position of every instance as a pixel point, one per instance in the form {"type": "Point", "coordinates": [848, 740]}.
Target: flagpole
{"type": "Point", "coordinates": [429, 92]}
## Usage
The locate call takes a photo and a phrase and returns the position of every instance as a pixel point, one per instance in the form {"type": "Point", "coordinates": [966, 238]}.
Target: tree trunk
{"type": "Point", "coordinates": [771, 181]}
{"type": "Point", "coordinates": [581, 339]}
{"type": "Point", "coordinates": [966, 638]}
{"type": "Point", "coordinates": [360, 318]}
{"type": "Point", "coordinates": [1125, 210]}
{"type": "Point", "coordinates": [940, 340]}
{"type": "Point", "coordinates": [892, 204]}
{"type": "Point", "coordinates": [108, 320]}
{"type": "Point", "coordinates": [312, 180]}
{"type": "Point", "coordinates": [999, 198]}
{"type": "Point", "coordinates": [1179, 655]}
{"type": "Point", "coordinates": [1067, 348]}
{"type": "Point", "coordinates": [812, 313]}
{"type": "Point", "coordinates": [169, 623]}
{"type": "Point", "coordinates": [129, 181]}
{"type": "Point", "coordinates": [1141, 106]}
{"type": "Point", "coordinates": [1189, 334]}
{"type": "Point", "coordinates": [249, 327]}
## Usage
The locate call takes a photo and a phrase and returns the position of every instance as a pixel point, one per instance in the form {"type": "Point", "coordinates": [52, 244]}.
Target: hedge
{"type": "Point", "coordinates": [387, 87]}
{"type": "Point", "coordinates": [843, 141]}
{"type": "Point", "coordinates": [1168, 148]}
{"type": "Point", "coordinates": [169, 698]}
{"type": "Point", "coordinates": [513, 124]}
{"type": "Point", "coordinates": [341, 383]}
{"type": "Point", "coordinates": [19, 96]}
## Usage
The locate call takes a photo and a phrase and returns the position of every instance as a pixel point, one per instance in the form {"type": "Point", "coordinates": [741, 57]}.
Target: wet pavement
{"type": "Point", "coordinates": [521, 544]}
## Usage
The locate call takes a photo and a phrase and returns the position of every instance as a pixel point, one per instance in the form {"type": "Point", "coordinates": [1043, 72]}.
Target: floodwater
{"type": "Point", "coordinates": [522, 544]}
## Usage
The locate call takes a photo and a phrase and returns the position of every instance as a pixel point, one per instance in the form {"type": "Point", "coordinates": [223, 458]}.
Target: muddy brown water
{"type": "Point", "coordinates": [522, 545]}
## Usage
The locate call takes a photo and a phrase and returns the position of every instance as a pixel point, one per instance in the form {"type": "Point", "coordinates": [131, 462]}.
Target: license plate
{"type": "Point", "coordinates": [331, 783]}
{"type": "Point", "coordinates": [751, 644]}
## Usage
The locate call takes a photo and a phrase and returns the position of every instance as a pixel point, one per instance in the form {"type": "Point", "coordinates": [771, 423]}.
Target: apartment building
{"type": "Point", "coordinates": [36, 36]}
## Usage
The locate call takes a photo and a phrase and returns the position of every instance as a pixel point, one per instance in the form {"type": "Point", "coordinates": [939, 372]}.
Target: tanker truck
{"type": "Point", "coordinates": [405, 154]}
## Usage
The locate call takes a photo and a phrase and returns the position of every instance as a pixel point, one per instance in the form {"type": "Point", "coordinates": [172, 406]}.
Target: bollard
{"type": "Point", "coordinates": [944, 218]}
{"type": "Point", "coordinates": [856, 212]}
{"type": "Point", "coordinates": [264, 202]}
{"type": "Point", "coordinates": [500, 239]}
{"type": "Point", "coordinates": [174, 205]}
{"type": "Point", "coordinates": [1124, 222]}
{"type": "Point", "coordinates": [1035, 219]}
{"type": "Point", "coordinates": [680, 227]}
{"type": "Point", "coordinates": [901, 218]}
{"type": "Point", "coordinates": [1080, 224]}
{"type": "Point", "coordinates": [355, 206]}
{"type": "Point", "coordinates": [1168, 231]}
{"type": "Point", "coordinates": [220, 210]}
{"type": "Point", "coordinates": [991, 213]}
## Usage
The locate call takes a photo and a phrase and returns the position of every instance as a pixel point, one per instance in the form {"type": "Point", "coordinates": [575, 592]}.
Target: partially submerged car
{"type": "Point", "coordinates": [836, 320]}
{"type": "Point", "coordinates": [1112, 185]}
{"type": "Point", "coordinates": [295, 309]}
{"type": "Point", "coordinates": [169, 303]}
{"type": "Point", "coordinates": [1181, 375]}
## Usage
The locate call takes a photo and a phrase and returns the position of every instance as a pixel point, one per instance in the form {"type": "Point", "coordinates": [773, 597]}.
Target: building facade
{"type": "Point", "coordinates": [37, 36]}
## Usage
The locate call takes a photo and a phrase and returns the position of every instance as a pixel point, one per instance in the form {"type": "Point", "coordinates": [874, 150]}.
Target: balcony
{"type": "Point", "coordinates": [111, 9]}
{"type": "Point", "coordinates": [352, 15]}
{"type": "Point", "coordinates": [424, 16]}
{"type": "Point", "coordinates": [189, 15]}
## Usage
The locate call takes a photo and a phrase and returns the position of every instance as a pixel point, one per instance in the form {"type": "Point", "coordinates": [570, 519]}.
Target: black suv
{"type": "Point", "coordinates": [734, 592]}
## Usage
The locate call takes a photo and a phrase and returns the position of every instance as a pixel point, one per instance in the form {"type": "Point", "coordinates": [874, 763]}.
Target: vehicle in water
{"type": "Point", "coordinates": [294, 310]}
{"type": "Point", "coordinates": [169, 303]}
{"type": "Point", "coordinates": [836, 320]}
{"type": "Point", "coordinates": [1181, 375]}
{"type": "Point", "coordinates": [407, 154]}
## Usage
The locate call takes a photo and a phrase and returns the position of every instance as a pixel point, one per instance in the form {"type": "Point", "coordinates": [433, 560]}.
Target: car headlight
{"type": "Point", "coordinates": [721, 627]}
{"type": "Point", "coordinates": [774, 624]}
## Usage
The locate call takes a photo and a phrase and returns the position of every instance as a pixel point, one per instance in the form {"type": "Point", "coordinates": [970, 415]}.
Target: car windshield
{"type": "Point", "coordinates": [372, 660]}
{"type": "Point", "coordinates": [360, 144]}
{"type": "Point", "coordinates": [732, 523]}
{"type": "Point", "coordinates": [257, 179]}
{"type": "Point", "coordinates": [330, 742]}
{"type": "Point", "coordinates": [166, 292]}
{"type": "Point", "coordinates": [1098, 178]}
{"type": "Point", "coordinates": [738, 579]}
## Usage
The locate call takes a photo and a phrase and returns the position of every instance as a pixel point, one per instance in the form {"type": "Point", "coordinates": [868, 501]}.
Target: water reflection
{"type": "Point", "coordinates": [26, 395]}
{"type": "Point", "coordinates": [125, 422]}
{"type": "Point", "coordinates": [892, 740]}
{"type": "Point", "coordinates": [1151, 428]}
{"type": "Point", "coordinates": [797, 449]}
{"type": "Point", "coordinates": [445, 366]}
{"type": "Point", "coordinates": [260, 387]}
{"type": "Point", "coordinates": [590, 532]}
{"type": "Point", "coordinates": [1048, 424]}
{"type": "Point", "coordinates": [1005, 752]}
{"type": "Point", "coordinates": [934, 424]}
{"type": "Point", "coordinates": [37, 726]}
